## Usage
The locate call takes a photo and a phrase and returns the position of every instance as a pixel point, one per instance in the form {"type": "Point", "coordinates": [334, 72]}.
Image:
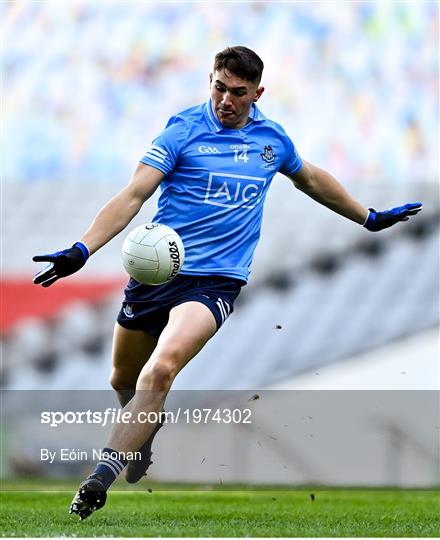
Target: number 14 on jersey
{"type": "Point", "coordinates": [241, 155]}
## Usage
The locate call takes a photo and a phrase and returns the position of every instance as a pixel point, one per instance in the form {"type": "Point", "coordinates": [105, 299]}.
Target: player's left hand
{"type": "Point", "coordinates": [62, 264]}
{"type": "Point", "coordinates": [377, 221]}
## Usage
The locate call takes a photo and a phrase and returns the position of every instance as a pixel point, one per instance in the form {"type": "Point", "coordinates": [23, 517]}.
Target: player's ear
{"type": "Point", "coordinates": [258, 93]}
{"type": "Point", "coordinates": [210, 80]}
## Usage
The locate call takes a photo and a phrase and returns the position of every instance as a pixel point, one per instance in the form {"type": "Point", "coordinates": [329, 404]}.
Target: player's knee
{"type": "Point", "coordinates": [121, 380]}
{"type": "Point", "coordinates": [158, 377]}
{"type": "Point", "coordinates": [163, 368]}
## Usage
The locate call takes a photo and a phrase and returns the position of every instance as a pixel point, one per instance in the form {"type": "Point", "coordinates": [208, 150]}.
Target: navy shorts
{"type": "Point", "coordinates": [147, 307]}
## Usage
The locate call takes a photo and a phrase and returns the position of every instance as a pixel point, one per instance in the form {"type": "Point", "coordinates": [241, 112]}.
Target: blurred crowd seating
{"type": "Point", "coordinates": [330, 309]}
{"type": "Point", "coordinates": [89, 84]}
{"type": "Point", "coordinates": [333, 287]}
{"type": "Point", "coordinates": [292, 232]}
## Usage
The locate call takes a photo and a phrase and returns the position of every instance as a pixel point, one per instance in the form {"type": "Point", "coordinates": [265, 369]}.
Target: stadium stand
{"type": "Point", "coordinates": [79, 114]}
{"type": "Point", "coordinates": [356, 87]}
{"type": "Point", "coordinates": [320, 315]}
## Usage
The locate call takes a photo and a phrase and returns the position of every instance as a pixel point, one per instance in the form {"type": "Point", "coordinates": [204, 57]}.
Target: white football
{"type": "Point", "coordinates": [153, 254]}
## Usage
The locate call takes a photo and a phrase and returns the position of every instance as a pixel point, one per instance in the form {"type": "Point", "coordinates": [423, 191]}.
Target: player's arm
{"type": "Point", "coordinates": [325, 189]}
{"type": "Point", "coordinates": [122, 208]}
{"type": "Point", "coordinates": [109, 222]}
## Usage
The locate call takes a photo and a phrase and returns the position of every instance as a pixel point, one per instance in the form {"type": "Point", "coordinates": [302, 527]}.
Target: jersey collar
{"type": "Point", "coordinates": [215, 125]}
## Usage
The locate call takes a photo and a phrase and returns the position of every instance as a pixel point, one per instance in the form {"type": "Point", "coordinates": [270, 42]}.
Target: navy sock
{"type": "Point", "coordinates": [109, 466]}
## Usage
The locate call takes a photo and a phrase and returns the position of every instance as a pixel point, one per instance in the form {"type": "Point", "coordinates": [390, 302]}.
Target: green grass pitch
{"type": "Point", "coordinates": [177, 511]}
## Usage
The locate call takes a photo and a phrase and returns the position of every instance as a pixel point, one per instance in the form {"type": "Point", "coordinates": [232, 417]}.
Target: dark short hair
{"type": "Point", "coordinates": [240, 61]}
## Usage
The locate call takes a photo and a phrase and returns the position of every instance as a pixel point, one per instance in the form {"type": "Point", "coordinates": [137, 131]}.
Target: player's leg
{"type": "Point", "coordinates": [190, 326]}
{"type": "Point", "coordinates": [131, 350]}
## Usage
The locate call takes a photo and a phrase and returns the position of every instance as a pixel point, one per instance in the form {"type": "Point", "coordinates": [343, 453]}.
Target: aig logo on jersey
{"type": "Point", "coordinates": [234, 190]}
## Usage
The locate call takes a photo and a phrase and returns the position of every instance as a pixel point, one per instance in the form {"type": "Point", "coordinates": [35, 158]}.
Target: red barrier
{"type": "Point", "coordinates": [21, 298]}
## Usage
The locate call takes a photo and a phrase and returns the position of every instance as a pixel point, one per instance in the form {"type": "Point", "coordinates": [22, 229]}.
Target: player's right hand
{"type": "Point", "coordinates": [61, 264]}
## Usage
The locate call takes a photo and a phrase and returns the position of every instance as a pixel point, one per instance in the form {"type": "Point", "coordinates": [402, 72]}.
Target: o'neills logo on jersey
{"type": "Point", "coordinates": [234, 190]}
{"type": "Point", "coordinates": [175, 259]}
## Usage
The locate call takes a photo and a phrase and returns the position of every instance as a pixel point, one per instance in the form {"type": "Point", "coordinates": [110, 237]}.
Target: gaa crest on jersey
{"type": "Point", "coordinates": [268, 156]}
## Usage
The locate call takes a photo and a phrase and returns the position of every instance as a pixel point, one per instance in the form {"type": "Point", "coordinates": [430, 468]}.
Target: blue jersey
{"type": "Point", "coordinates": [216, 181]}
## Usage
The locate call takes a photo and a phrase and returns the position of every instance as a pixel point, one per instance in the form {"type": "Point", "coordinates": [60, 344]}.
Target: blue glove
{"type": "Point", "coordinates": [62, 264]}
{"type": "Point", "coordinates": [376, 221]}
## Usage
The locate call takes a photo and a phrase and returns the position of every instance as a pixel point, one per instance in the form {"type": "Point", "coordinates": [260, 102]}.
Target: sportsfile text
{"type": "Point", "coordinates": [112, 415]}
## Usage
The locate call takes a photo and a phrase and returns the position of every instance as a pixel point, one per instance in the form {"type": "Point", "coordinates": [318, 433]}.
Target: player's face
{"type": "Point", "coordinates": [232, 98]}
